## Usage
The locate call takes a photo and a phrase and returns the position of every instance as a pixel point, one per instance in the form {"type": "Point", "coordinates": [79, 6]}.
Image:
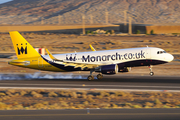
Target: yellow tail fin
{"type": "Point", "coordinates": [22, 47]}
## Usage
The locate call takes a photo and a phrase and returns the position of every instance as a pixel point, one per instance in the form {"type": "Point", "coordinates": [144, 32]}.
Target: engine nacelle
{"type": "Point", "coordinates": [125, 69]}
{"type": "Point", "coordinates": [109, 69]}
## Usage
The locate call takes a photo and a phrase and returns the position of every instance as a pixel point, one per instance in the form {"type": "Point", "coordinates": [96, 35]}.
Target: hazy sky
{"type": "Point", "coordinates": [3, 1]}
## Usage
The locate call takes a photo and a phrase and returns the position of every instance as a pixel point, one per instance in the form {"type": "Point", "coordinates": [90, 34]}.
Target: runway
{"type": "Point", "coordinates": [92, 114]}
{"type": "Point", "coordinates": [148, 83]}
{"type": "Point", "coordinates": [133, 83]}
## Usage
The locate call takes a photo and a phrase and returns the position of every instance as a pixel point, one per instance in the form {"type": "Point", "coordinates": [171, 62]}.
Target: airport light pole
{"type": "Point", "coordinates": [59, 19]}
{"type": "Point", "coordinates": [130, 25]}
{"type": "Point", "coordinates": [42, 21]}
{"type": "Point", "coordinates": [125, 20]}
{"type": "Point", "coordinates": [83, 24]}
{"type": "Point", "coordinates": [91, 19]}
{"type": "Point", "coordinates": [107, 17]}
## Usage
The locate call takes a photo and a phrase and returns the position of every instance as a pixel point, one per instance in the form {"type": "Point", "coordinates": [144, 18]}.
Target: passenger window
{"type": "Point", "coordinates": [158, 52]}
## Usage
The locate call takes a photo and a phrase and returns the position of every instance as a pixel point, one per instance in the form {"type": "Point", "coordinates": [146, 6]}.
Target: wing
{"type": "Point", "coordinates": [52, 57]}
{"type": "Point", "coordinates": [76, 64]}
{"type": "Point", "coordinates": [92, 48]}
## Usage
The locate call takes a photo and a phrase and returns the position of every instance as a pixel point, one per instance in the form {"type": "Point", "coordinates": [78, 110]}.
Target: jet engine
{"type": "Point", "coordinates": [109, 69]}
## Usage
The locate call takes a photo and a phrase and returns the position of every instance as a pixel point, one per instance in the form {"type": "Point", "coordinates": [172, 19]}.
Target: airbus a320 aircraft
{"type": "Point", "coordinates": [103, 62]}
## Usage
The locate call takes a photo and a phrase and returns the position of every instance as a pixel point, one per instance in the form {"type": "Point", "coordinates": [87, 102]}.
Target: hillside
{"type": "Point", "coordinates": [71, 11]}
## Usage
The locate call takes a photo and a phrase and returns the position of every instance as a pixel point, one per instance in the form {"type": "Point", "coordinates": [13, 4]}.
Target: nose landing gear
{"type": "Point", "coordinates": [151, 72]}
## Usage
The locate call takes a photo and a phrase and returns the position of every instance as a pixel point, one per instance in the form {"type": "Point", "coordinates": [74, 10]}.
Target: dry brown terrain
{"type": "Point", "coordinates": [12, 99]}
{"type": "Point", "coordinates": [68, 29]}
{"type": "Point", "coordinates": [141, 11]}
{"type": "Point", "coordinates": [61, 43]}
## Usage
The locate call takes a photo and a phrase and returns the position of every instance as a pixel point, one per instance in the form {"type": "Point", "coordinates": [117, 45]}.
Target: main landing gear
{"type": "Point", "coordinates": [99, 76]}
{"type": "Point", "coordinates": [91, 77]}
{"type": "Point", "coordinates": [151, 72]}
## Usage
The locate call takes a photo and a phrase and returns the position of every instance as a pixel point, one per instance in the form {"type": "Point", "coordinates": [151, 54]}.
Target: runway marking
{"type": "Point", "coordinates": [48, 88]}
{"type": "Point", "coordinates": [92, 85]}
{"type": "Point", "coordinates": [103, 114]}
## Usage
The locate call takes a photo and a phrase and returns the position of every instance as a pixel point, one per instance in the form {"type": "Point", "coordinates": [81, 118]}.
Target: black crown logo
{"type": "Point", "coordinates": [71, 58]}
{"type": "Point", "coordinates": [22, 50]}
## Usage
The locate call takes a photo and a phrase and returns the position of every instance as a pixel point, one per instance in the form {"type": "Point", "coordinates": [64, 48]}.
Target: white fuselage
{"type": "Point", "coordinates": [115, 56]}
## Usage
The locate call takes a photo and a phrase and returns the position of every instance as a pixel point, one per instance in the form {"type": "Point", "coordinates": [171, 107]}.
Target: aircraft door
{"type": "Point", "coordinates": [148, 53]}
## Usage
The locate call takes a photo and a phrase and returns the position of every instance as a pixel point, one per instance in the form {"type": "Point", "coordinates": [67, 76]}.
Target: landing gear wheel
{"type": "Point", "coordinates": [99, 76]}
{"type": "Point", "coordinates": [90, 78]}
{"type": "Point", "coordinates": [151, 73]}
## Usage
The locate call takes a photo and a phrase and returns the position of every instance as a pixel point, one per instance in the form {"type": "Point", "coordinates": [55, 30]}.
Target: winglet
{"type": "Point", "coordinates": [52, 57]}
{"type": "Point", "coordinates": [92, 48]}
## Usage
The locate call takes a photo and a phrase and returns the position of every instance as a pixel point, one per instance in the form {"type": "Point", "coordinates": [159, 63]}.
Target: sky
{"type": "Point", "coordinates": [3, 1]}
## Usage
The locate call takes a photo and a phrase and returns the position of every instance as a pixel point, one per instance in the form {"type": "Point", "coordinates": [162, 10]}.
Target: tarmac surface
{"type": "Point", "coordinates": [92, 114]}
{"type": "Point", "coordinates": [117, 82]}
{"type": "Point", "coordinates": [149, 83]}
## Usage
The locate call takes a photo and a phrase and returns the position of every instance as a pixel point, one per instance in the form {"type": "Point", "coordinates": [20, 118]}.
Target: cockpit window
{"type": "Point", "coordinates": [161, 52]}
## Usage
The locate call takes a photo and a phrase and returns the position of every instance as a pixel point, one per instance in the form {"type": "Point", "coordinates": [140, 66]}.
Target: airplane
{"type": "Point", "coordinates": [104, 62]}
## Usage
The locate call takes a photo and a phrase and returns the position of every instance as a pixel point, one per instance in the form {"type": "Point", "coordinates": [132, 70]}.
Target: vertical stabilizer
{"type": "Point", "coordinates": [22, 47]}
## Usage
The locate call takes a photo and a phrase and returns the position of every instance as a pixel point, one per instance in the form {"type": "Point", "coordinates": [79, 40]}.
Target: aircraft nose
{"type": "Point", "coordinates": [170, 58]}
